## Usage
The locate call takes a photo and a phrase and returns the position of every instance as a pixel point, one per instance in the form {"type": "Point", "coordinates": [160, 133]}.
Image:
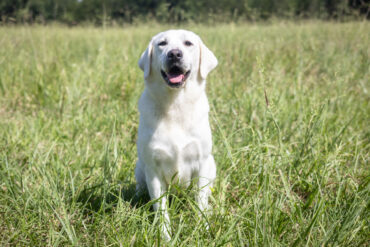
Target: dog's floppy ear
{"type": "Point", "coordinates": [207, 61]}
{"type": "Point", "coordinates": [146, 60]}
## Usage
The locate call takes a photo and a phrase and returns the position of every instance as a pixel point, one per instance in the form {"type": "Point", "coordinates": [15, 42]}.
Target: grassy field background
{"type": "Point", "coordinates": [290, 120]}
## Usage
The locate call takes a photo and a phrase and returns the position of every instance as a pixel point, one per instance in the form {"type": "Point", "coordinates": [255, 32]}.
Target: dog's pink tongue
{"type": "Point", "coordinates": [175, 78]}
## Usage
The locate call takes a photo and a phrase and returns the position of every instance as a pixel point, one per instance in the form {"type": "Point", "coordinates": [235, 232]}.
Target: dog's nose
{"type": "Point", "coordinates": [174, 55]}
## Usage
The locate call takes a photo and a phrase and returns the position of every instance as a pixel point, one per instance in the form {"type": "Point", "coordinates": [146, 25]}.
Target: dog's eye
{"type": "Point", "coordinates": [162, 43]}
{"type": "Point", "coordinates": [188, 43]}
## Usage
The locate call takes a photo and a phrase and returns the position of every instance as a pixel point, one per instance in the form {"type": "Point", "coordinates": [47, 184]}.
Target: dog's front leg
{"type": "Point", "coordinates": [207, 174]}
{"type": "Point", "coordinates": [204, 187]}
{"type": "Point", "coordinates": [204, 191]}
{"type": "Point", "coordinates": [156, 189]}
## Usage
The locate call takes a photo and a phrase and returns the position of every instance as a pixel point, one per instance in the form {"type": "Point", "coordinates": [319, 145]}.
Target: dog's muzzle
{"type": "Point", "coordinates": [175, 75]}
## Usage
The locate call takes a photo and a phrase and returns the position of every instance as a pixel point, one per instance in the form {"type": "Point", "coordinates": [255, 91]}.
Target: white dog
{"type": "Point", "coordinates": [174, 141]}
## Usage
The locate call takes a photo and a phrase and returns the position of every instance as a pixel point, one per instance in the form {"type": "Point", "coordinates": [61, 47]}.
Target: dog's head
{"type": "Point", "coordinates": [176, 56]}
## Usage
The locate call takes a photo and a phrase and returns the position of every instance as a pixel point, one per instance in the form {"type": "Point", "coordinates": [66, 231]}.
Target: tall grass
{"type": "Point", "coordinates": [290, 119]}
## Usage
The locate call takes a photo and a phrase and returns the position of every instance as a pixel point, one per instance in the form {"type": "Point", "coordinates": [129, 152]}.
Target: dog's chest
{"type": "Point", "coordinates": [177, 152]}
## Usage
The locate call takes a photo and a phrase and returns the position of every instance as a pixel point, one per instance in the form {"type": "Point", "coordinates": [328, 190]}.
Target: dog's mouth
{"type": "Point", "coordinates": [175, 77]}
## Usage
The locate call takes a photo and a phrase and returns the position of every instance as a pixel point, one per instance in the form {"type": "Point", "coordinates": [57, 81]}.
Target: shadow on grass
{"type": "Point", "coordinates": [103, 197]}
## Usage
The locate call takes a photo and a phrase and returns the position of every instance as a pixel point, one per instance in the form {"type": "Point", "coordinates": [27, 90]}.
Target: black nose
{"type": "Point", "coordinates": [174, 55]}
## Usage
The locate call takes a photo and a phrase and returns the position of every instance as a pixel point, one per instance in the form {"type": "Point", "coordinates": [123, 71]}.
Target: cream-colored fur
{"type": "Point", "coordinates": [174, 139]}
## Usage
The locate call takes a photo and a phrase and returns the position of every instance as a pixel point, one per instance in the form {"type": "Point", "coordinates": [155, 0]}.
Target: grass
{"type": "Point", "coordinates": [290, 120]}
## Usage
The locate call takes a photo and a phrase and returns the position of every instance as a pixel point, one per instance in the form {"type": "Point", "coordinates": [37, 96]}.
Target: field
{"type": "Point", "coordinates": [290, 117]}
